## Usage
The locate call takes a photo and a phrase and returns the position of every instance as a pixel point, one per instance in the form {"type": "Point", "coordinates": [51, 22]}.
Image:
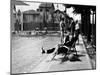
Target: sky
{"type": "Point", "coordinates": [34, 6]}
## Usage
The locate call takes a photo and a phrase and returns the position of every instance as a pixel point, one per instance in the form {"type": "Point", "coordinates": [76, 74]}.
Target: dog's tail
{"type": "Point", "coordinates": [43, 51]}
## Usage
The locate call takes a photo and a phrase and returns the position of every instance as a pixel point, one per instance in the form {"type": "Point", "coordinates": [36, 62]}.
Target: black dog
{"type": "Point", "coordinates": [53, 49]}
{"type": "Point", "coordinates": [48, 51]}
{"type": "Point", "coordinates": [61, 50]}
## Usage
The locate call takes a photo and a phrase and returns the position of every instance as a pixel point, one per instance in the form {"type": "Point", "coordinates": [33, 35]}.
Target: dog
{"type": "Point", "coordinates": [49, 51]}
{"type": "Point", "coordinates": [60, 50]}
{"type": "Point", "coordinates": [52, 49]}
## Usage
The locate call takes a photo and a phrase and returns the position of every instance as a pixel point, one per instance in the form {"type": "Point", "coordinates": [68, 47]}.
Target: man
{"type": "Point", "coordinates": [62, 29]}
{"type": "Point", "coordinates": [77, 30]}
{"type": "Point", "coordinates": [73, 28]}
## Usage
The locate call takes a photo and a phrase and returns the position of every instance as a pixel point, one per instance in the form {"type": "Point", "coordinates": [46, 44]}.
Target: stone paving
{"type": "Point", "coordinates": [27, 57]}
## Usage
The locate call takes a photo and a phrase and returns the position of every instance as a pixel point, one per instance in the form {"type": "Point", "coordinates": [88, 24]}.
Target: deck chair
{"type": "Point", "coordinates": [67, 48]}
{"type": "Point", "coordinates": [71, 45]}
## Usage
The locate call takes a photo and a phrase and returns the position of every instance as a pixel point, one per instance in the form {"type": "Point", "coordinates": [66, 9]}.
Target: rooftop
{"type": "Point", "coordinates": [31, 12]}
{"type": "Point", "coordinates": [48, 5]}
{"type": "Point", "coordinates": [18, 2]}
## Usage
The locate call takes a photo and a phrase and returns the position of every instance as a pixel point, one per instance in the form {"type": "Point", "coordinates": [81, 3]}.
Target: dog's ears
{"type": "Point", "coordinates": [42, 48]}
{"type": "Point", "coordinates": [43, 51]}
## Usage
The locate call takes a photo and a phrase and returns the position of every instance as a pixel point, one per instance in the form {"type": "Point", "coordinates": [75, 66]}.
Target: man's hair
{"type": "Point", "coordinates": [62, 19]}
{"type": "Point", "coordinates": [71, 18]}
{"type": "Point", "coordinates": [76, 21]}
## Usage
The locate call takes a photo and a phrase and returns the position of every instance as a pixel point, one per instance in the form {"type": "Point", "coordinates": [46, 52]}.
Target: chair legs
{"type": "Point", "coordinates": [75, 51]}
{"type": "Point", "coordinates": [68, 53]}
{"type": "Point", "coordinates": [54, 56]}
{"type": "Point", "coordinates": [71, 50]}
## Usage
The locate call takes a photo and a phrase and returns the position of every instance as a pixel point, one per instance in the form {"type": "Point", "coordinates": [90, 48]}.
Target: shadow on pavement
{"type": "Point", "coordinates": [75, 58]}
